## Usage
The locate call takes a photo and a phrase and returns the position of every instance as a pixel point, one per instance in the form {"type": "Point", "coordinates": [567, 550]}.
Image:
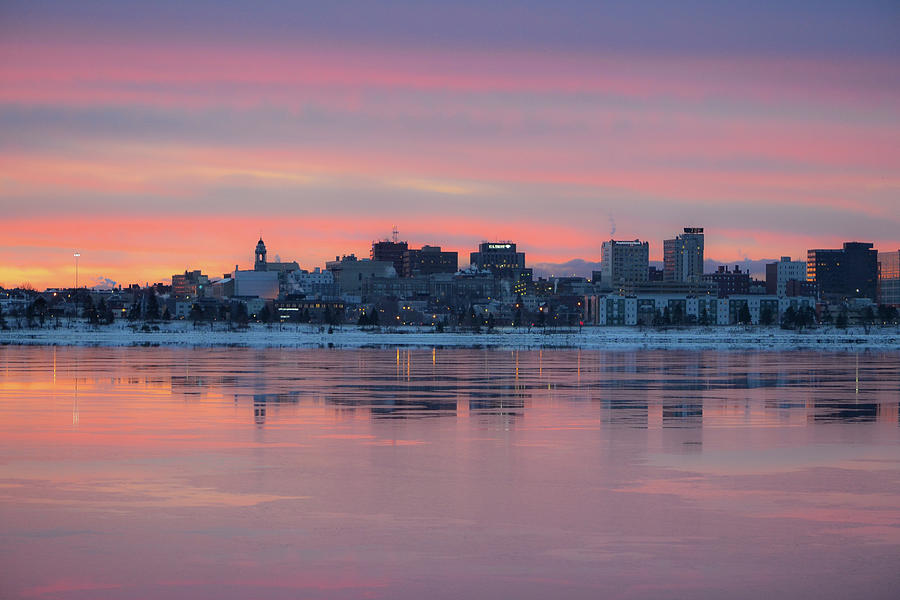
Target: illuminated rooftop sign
{"type": "Point", "coordinates": [499, 246]}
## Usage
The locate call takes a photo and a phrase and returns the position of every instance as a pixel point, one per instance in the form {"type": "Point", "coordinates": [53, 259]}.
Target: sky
{"type": "Point", "coordinates": [158, 137]}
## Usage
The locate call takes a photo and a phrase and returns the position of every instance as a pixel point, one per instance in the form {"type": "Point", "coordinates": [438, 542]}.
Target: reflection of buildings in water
{"type": "Point", "coordinates": [626, 410]}
{"type": "Point", "coordinates": [847, 412]}
{"type": "Point", "coordinates": [261, 402]}
{"type": "Point", "coordinates": [188, 385]}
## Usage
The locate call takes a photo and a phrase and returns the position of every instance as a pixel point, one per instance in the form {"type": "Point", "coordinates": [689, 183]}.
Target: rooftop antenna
{"type": "Point", "coordinates": [395, 235]}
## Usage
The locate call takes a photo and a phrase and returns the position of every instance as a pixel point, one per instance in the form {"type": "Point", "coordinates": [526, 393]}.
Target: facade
{"type": "Point", "coordinates": [189, 285]}
{"type": "Point", "coordinates": [389, 251]}
{"type": "Point", "coordinates": [260, 284]}
{"type": "Point", "coordinates": [349, 272]}
{"type": "Point", "coordinates": [683, 256]}
{"type": "Point", "coordinates": [294, 309]}
{"type": "Point", "coordinates": [851, 272]}
{"type": "Point", "coordinates": [889, 278]}
{"type": "Point", "coordinates": [624, 262]}
{"type": "Point", "coordinates": [729, 283]}
{"type": "Point", "coordinates": [317, 283]}
{"type": "Point", "coordinates": [501, 259]}
{"type": "Point", "coordinates": [615, 309]}
{"type": "Point", "coordinates": [778, 274]}
{"type": "Point", "coordinates": [428, 260]}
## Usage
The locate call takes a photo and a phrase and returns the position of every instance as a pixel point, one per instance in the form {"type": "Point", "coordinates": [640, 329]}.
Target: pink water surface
{"type": "Point", "coordinates": [463, 473]}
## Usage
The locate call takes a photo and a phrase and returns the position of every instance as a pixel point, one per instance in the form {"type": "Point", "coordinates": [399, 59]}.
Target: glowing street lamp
{"type": "Point", "coordinates": [76, 255]}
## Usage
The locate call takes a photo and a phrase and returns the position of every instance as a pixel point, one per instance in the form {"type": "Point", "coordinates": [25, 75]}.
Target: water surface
{"type": "Point", "coordinates": [237, 473]}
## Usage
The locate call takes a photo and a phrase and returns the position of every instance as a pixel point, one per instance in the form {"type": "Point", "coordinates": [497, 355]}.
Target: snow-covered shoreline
{"type": "Point", "coordinates": [181, 333]}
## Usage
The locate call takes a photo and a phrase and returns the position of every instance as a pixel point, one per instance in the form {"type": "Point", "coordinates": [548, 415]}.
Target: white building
{"type": "Point", "coordinates": [624, 261]}
{"type": "Point", "coordinates": [315, 283]}
{"type": "Point", "coordinates": [616, 309]}
{"type": "Point", "coordinates": [779, 273]}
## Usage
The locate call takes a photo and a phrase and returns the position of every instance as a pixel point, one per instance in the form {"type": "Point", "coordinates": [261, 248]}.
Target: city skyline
{"type": "Point", "coordinates": [154, 138]}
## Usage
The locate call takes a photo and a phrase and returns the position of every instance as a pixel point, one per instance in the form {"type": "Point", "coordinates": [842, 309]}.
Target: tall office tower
{"type": "Point", "coordinates": [683, 256]}
{"type": "Point", "coordinates": [624, 261]}
{"type": "Point", "coordinates": [501, 258]}
{"type": "Point", "coordinates": [850, 272]}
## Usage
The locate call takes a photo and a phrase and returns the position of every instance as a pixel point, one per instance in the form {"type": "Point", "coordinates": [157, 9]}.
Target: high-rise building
{"type": "Point", "coordinates": [779, 273]}
{"type": "Point", "coordinates": [889, 278]}
{"type": "Point", "coordinates": [851, 272]}
{"type": "Point", "coordinates": [624, 261]}
{"type": "Point", "coordinates": [683, 256]}
{"type": "Point", "coordinates": [501, 259]}
{"type": "Point", "coordinates": [429, 260]}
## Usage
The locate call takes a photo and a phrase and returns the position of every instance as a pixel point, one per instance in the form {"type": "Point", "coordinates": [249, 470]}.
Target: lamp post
{"type": "Point", "coordinates": [76, 255]}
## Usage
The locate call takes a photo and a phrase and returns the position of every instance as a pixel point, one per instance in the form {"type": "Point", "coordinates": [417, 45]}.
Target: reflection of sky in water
{"type": "Point", "coordinates": [233, 473]}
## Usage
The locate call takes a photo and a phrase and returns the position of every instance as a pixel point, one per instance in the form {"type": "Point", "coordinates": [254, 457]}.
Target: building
{"type": "Point", "coordinates": [349, 272]}
{"type": "Point", "coordinates": [259, 263]}
{"type": "Point", "coordinates": [303, 310]}
{"type": "Point", "coordinates": [391, 251]}
{"type": "Point", "coordinates": [889, 278]}
{"type": "Point", "coordinates": [643, 309]}
{"type": "Point", "coordinates": [259, 284]}
{"type": "Point", "coordinates": [427, 261]}
{"type": "Point", "coordinates": [654, 274]}
{"type": "Point", "coordinates": [189, 285]}
{"type": "Point", "coordinates": [683, 256]}
{"type": "Point", "coordinates": [317, 283]}
{"type": "Point", "coordinates": [501, 259]}
{"type": "Point", "coordinates": [624, 262]}
{"type": "Point", "coordinates": [728, 283]}
{"type": "Point", "coordinates": [850, 272]}
{"type": "Point", "coordinates": [778, 274]}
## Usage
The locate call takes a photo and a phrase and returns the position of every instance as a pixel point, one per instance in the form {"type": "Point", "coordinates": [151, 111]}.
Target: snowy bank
{"type": "Point", "coordinates": [182, 333]}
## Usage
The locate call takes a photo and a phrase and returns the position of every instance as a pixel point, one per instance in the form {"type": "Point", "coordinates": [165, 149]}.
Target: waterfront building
{"type": "Point", "coordinates": [849, 272]}
{"type": "Point", "coordinates": [645, 309]}
{"type": "Point", "coordinates": [683, 256]}
{"type": "Point", "coordinates": [778, 274]}
{"type": "Point", "coordinates": [624, 262]}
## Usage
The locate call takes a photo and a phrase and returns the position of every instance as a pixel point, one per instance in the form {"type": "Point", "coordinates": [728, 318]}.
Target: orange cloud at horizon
{"type": "Point", "coordinates": [150, 249]}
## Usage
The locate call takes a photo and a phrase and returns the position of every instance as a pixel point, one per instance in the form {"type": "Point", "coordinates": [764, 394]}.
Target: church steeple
{"type": "Point", "coordinates": [260, 264]}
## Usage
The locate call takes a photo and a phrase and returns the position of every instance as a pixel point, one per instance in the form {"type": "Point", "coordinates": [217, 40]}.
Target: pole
{"type": "Point", "coordinates": [77, 254]}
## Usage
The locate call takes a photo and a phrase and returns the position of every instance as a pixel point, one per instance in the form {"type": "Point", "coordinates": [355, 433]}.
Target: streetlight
{"type": "Point", "coordinates": [76, 255]}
